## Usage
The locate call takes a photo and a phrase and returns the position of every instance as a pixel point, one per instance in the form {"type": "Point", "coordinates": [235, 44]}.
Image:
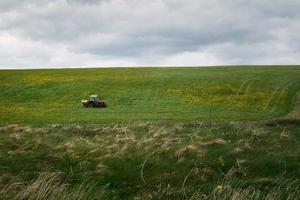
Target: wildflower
{"type": "Point", "coordinates": [219, 187]}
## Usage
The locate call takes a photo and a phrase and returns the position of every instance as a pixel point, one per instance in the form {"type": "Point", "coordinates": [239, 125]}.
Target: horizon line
{"type": "Point", "coordinates": [149, 66]}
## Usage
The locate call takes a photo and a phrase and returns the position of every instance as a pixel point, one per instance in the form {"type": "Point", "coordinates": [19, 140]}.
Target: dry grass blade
{"type": "Point", "coordinates": [48, 185]}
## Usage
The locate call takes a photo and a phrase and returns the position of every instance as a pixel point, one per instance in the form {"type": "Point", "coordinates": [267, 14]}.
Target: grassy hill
{"type": "Point", "coordinates": [40, 97]}
{"type": "Point", "coordinates": [168, 133]}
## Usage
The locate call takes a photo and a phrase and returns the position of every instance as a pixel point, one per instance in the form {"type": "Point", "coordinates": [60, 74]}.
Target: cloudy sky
{"type": "Point", "coordinates": [74, 33]}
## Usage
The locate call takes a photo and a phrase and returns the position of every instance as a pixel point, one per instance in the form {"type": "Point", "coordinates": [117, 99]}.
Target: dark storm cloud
{"type": "Point", "coordinates": [40, 33]}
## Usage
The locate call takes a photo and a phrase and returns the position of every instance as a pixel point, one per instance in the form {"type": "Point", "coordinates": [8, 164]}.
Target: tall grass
{"type": "Point", "coordinates": [150, 161]}
{"type": "Point", "coordinates": [48, 185]}
{"type": "Point", "coordinates": [287, 189]}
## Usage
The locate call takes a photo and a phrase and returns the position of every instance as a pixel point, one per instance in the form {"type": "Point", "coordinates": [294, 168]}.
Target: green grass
{"type": "Point", "coordinates": [40, 97]}
{"type": "Point", "coordinates": [167, 133]}
{"type": "Point", "coordinates": [167, 161]}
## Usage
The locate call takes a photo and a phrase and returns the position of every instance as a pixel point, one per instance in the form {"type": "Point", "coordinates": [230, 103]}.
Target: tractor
{"type": "Point", "coordinates": [94, 102]}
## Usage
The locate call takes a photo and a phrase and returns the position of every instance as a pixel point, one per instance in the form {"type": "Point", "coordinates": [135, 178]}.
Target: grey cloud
{"type": "Point", "coordinates": [144, 32]}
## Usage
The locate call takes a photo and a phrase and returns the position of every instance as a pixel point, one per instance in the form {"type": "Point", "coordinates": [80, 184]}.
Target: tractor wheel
{"type": "Point", "coordinates": [90, 105]}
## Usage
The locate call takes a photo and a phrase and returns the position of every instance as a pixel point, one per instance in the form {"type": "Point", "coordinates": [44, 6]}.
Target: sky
{"type": "Point", "coordinates": [97, 33]}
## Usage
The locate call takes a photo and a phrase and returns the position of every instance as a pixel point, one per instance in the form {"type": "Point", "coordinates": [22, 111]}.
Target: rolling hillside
{"type": "Point", "coordinates": [167, 133]}
{"type": "Point", "coordinates": [39, 97]}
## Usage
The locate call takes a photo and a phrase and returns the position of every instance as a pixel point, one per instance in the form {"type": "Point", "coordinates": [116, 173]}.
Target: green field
{"type": "Point", "coordinates": [40, 97]}
{"type": "Point", "coordinates": [150, 161]}
{"type": "Point", "coordinates": [167, 133]}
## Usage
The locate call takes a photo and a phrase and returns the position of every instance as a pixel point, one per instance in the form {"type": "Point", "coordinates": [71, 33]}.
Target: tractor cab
{"type": "Point", "coordinates": [93, 101]}
{"type": "Point", "coordinates": [94, 98]}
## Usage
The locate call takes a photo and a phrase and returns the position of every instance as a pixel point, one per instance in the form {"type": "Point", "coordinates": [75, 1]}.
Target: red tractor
{"type": "Point", "coordinates": [93, 102]}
